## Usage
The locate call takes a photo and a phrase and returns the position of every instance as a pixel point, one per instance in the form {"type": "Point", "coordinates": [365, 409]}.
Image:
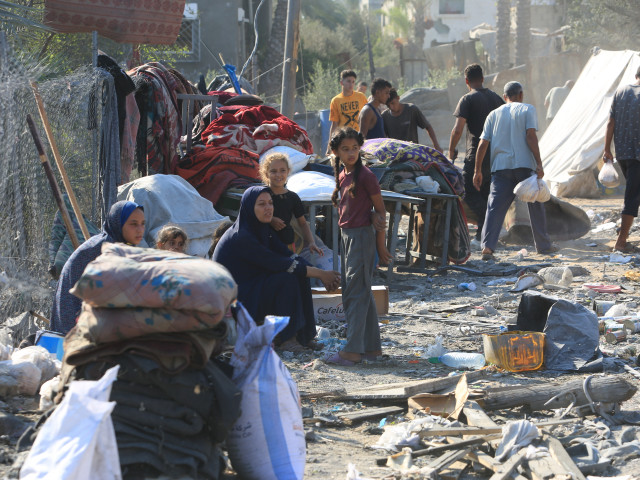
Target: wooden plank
{"type": "Point", "coordinates": [477, 417]}
{"type": "Point", "coordinates": [484, 459]}
{"type": "Point", "coordinates": [609, 389]}
{"type": "Point", "coordinates": [453, 471]}
{"type": "Point", "coordinates": [368, 414]}
{"type": "Point", "coordinates": [545, 468]}
{"type": "Point", "coordinates": [561, 456]}
{"type": "Point", "coordinates": [443, 448]}
{"type": "Point", "coordinates": [432, 469]}
{"type": "Point", "coordinates": [404, 390]}
{"type": "Point", "coordinates": [504, 470]}
{"type": "Point", "coordinates": [457, 431]}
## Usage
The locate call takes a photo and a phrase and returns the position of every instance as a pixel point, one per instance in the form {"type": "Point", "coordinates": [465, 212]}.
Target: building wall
{"type": "Point", "coordinates": [475, 13]}
{"type": "Point", "coordinates": [220, 32]}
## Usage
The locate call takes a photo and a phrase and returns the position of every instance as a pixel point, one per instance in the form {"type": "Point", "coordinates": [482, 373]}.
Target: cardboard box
{"type": "Point", "coordinates": [328, 306]}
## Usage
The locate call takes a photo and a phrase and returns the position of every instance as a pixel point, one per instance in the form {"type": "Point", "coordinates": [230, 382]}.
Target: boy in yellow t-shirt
{"type": "Point", "coordinates": [346, 106]}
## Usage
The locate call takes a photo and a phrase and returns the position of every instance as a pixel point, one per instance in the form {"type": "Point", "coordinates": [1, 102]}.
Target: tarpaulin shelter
{"type": "Point", "coordinates": [574, 142]}
{"type": "Point", "coordinates": [134, 21]}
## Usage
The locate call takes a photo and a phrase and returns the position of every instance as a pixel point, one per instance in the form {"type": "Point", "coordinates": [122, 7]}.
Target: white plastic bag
{"type": "Point", "coordinates": [608, 175]}
{"type": "Point", "coordinates": [533, 189]}
{"type": "Point", "coordinates": [41, 358]}
{"type": "Point", "coordinates": [267, 441]}
{"type": "Point", "coordinates": [78, 440]}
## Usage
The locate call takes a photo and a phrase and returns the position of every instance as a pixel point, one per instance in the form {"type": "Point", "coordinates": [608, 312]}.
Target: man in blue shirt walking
{"type": "Point", "coordinates": [510, 131]}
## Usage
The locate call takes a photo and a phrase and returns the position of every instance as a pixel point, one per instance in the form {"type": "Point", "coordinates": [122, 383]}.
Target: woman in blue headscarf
{"type": "Point", "coordinates": [271, 279]}
{"type": "Point", "coordinates": [124, 224]}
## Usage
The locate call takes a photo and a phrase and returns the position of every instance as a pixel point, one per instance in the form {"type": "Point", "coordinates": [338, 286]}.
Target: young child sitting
{"type": "Point", "coordinates": [172, 238]}
{"type": "Point", "coordinates": [274, 172]}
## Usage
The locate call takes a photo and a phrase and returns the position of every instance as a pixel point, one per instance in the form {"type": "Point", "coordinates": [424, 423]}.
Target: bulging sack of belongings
{"type": "Point", "coordinates": [267, 441]}
{"type": "Point", "coordinates": [608, 175]}
{"type": "Point", "coordinates": [125, 277]}
{"type": "Point", "coordinates": [533, 189]}
{"type": "Point", "coordinates": [78, 440]}
{"type": "Point", "coordinates": [106, 325]}
{"type": "Point", "coordinates": [26, 371]}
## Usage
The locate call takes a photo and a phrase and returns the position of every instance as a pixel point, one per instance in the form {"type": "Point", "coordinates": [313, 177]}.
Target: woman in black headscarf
{"type": "Point", "coordinates": [271, 279]}
{"type": "Point", "coordinates": [124, 224]}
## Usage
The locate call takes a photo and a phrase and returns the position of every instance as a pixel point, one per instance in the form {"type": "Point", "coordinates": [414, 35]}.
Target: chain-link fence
{"type": "Point", "coordinates": [27, 206]}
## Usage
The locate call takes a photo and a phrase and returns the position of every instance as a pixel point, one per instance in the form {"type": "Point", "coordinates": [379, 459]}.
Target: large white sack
{"type": "Point", "coordinates": [78, 441]}
{"type": "Point", "coordinates": [312, 185]}
{"type": "Point", "coordinates": [297, 160]}
{"type": "Point", "coordinates": [267, 441]}
{"type": "Point", "coordinates": [170, 199]}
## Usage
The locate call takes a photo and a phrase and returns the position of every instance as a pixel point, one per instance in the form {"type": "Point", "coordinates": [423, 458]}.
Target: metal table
{"type": "Point", "coordinates": [427, 209]}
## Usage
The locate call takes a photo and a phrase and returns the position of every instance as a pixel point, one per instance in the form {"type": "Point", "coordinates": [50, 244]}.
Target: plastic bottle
{"type": "Point", "coordinates": [460, 360]}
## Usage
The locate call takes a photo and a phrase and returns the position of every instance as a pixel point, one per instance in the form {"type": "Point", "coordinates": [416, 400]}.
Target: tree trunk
{"type": "Point", "coordinates": [523, 31]}
{"type": "Point", "coordinates": [502, 41]}
{"type": "Point", "coordinates": [270, 82]}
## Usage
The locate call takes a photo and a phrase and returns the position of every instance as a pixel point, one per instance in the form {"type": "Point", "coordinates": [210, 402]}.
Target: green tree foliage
{"type": "Point", "coordinates": [323, 86]}
{"type": "Point", "coordinates": [609, 24]}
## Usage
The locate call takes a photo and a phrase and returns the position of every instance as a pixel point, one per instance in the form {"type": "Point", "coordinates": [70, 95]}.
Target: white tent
{"type": "Point", "coordinates": [574, 142]}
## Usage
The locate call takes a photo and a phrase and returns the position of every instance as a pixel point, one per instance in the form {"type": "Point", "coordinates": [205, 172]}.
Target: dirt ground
{"type": "Point", "coordinates": [416, 317]}
{"type": "Point", "coordinates": [413, 324]}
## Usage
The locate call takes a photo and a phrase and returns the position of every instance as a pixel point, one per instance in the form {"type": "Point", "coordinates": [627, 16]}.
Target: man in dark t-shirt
{"type": "Point", "coordinates": [401, 121]}
{"type": "Point", "coordinates": [472, 110]}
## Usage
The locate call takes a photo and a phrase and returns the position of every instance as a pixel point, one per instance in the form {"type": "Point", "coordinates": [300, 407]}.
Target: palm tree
{"type": "Point", "coordinates": [523, 31]}
{"type": "Point", "coordinates": [502, 41]}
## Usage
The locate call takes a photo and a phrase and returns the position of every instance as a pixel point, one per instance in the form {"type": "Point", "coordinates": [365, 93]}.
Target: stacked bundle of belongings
{"type": "Point", "coordinates": [159, 316]}
{"type": "Point", "coordinates": [405, 161]}
{"type": "Point", "coordinates": [159, 112]}
{"type": "Point", "coordinates": [230, 146]}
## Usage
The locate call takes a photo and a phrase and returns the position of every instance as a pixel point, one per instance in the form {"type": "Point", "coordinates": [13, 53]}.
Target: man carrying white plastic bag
{"type": "Point", "coordinates": [267, 441]}
{"type": "Point", "coordinates": [78, 441]}
{"type": "Point", "coordinates": [510, 132]}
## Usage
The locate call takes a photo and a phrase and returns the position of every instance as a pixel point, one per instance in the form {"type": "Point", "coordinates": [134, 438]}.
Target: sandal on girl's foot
{"type": "Point", "coordinates": [336, 359]}
{"type": "Point", "coordinates": [488, 256]}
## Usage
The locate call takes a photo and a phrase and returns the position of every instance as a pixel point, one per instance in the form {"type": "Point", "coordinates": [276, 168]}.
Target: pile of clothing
{"type": "Point", "coordinates": [226, 154]}
{"type": "Point", "coordinates": [401, 162]}
{"type": "Point", "coordinates": [159, 112]}
{"type": "Point", "coordinates": [159, 316]}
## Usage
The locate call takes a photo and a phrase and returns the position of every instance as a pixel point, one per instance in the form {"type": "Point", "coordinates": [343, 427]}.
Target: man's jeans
{"type": "Point", "coordinates": [500, 198]}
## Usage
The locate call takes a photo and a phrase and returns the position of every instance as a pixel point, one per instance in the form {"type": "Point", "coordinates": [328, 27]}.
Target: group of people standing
{"type": "Point", "coordinates": [502, 144]}
{"type": "Point", "coordinates": [380, 116]}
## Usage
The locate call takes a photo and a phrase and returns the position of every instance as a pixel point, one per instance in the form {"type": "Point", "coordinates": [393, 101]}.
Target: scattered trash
{"type": "Point", "coordinates": [479, 312]}
{"type": "Point", "coordinates": [604, 227]}
{"type": "Point", "coordinates": [527, 281]}
{"type": "Point", "coordinates": [323, 333]}
{"type": "Point", "coordinates": [467, 286]}
{"type": "Point", "coordinates": [556, 276]}
{"type": "Point", "coordinates": [597, 287]}
{"type": "Point", "coordinates": [617, 310]}
{"type": "Point", "coordinates": [502, 281]}
{"type": "Point", "coordinates": [619, 258]}
{"type": "Point", "coordinates": [632, 275]}
{"type": "Point", "coordinates": [515, 435]}
{"type": "Point", "coordinates": [460, 360]}
{"type": "Point", "coordinates": [436, 349]}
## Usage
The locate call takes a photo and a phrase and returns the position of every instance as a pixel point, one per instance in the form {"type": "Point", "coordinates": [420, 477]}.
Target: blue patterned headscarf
{"type": "Point", "coordinates": [66, 307]}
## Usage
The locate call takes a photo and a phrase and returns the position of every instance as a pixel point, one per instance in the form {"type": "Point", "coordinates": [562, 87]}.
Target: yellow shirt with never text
{"type": "Point", "coordinates": [345, 110]}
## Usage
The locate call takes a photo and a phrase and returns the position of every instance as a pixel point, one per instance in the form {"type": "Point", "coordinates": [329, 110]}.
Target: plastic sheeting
{"type": "Point", "coordinates": [170, 199]}
{"type": "Point", "coordinates": [574, 142]}
{"type": "Point", "coordinates": [312, 185]}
